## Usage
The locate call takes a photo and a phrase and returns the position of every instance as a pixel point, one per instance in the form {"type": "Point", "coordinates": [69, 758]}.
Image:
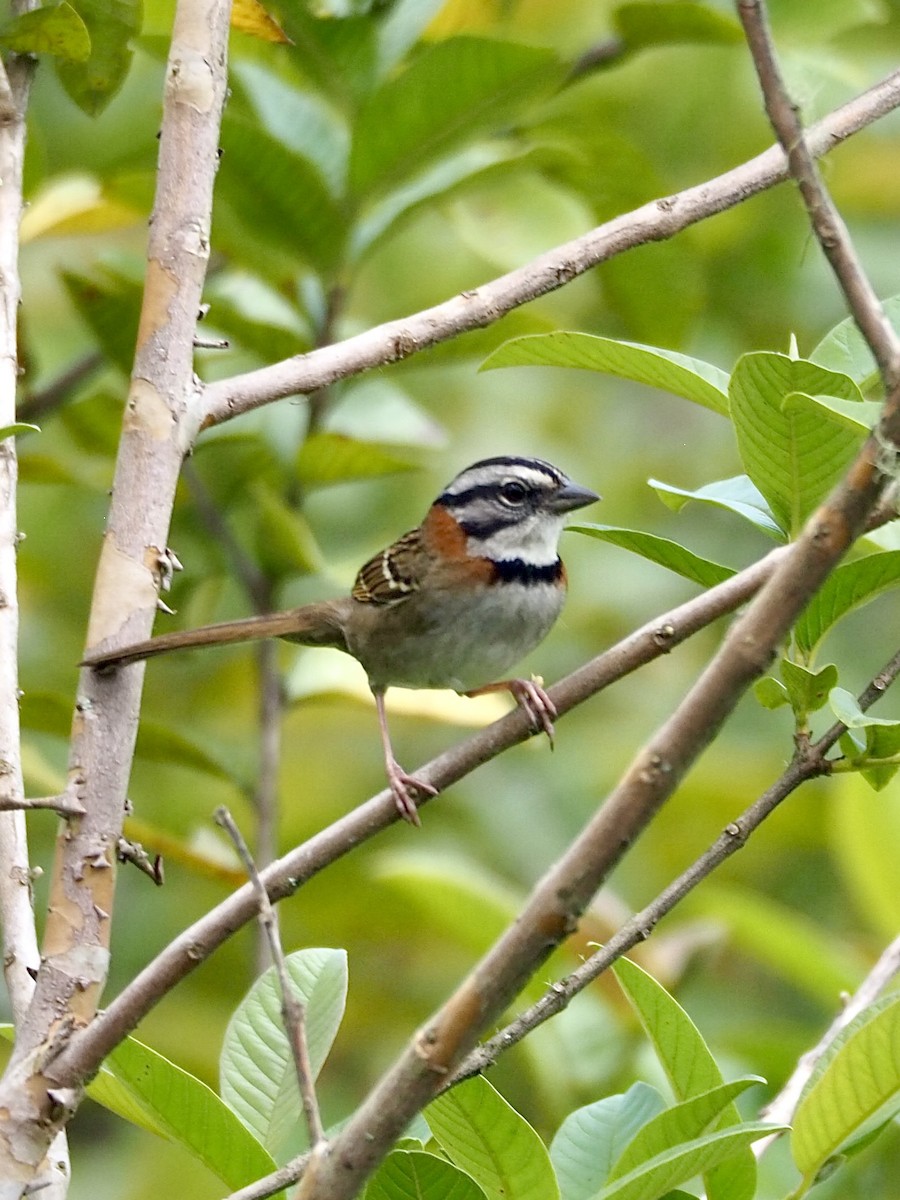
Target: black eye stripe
{"type": "Point", "coordinates": [485, 491]}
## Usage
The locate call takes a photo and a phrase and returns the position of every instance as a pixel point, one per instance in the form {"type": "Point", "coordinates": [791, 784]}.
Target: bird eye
{"type": "Point", "coordinates": [513, 492]}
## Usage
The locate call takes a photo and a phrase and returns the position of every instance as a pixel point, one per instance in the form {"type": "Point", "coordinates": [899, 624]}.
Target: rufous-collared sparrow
{"type": "Point", "coordinates": [451, 604]}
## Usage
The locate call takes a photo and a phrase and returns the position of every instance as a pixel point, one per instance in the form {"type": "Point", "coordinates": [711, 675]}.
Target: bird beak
{"type": "Point", "coordinates": [571, 496]}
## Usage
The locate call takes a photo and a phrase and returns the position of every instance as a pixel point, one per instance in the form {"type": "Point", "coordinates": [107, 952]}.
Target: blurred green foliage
{"type": "Point", "coordinates": [379, 163]}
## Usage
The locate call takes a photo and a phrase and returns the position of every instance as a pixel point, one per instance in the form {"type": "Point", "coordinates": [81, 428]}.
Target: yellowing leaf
{"type": "Point", "coordinates": [74, 204]}
{"type": "Point", "coordinates": [249, 16]}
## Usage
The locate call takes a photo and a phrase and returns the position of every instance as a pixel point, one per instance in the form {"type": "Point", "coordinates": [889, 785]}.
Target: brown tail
{"type": "Point", "coordinates": [311, 625]}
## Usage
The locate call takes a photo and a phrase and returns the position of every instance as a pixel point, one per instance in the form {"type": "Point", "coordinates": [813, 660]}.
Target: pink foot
{"type": "Point", "coordinates": [403, 787]}
{"type": "Point", "coordinates": [540, 708]}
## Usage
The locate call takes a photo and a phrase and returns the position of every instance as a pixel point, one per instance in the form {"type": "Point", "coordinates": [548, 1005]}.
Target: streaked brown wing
{"type": "Point", "coordinates": [394, 574]}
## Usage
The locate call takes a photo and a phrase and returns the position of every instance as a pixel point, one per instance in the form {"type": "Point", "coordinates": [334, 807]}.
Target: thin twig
{"type": "Point", "coordinates": [58, 390]}
{"type": "Point", "coordinates": [808, 762]}
{"type": "Point", "coordinates": [134, 853]}
{"type": "Point", "coordinates": [158, 427]}
{"type": "Point", "coordinates": [271, 702]}
{"type": "Point", "coordinates": [293, 1011]}
{"type": "Point", "coordinates": [248, 573]}
{"type": "Point", "coordinates": [268, 1185]}
{"type": "Point", "coordinates": [826, 221]}
{"type": "Point", "coordinates": [780, 1110]}
{"type": "Point", "coordinates": [478, 307]}
{"type": "Point", "coordinates": [271, 706]}
{"type": "Point", "coordinates": [65, 804]}
{"type": "Point", "coordinates": [89, 1046]}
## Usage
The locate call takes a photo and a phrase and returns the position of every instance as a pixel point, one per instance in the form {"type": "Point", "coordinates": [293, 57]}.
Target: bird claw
{"type": "Point", "coordinates": [402, 788]}
{"type": "Point", "coordinates": [530, 695]}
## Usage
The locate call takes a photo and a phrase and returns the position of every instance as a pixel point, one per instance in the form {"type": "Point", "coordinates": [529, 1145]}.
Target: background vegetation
{"type": "Point", "coordinates": [496, 151]}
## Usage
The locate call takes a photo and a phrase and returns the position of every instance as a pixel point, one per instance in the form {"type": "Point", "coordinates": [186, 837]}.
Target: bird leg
{"type": "Point", "coordinates": [530, 695]}
{"type": "Point", "coordinates": [402, 785]}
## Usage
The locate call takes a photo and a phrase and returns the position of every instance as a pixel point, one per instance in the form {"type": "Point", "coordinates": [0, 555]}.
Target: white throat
{"type": "Point", "coordinates": [534, 541]}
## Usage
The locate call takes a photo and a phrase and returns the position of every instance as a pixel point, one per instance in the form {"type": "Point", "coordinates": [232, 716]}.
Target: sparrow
{"type": "Point", "coordinates": [453, 603]}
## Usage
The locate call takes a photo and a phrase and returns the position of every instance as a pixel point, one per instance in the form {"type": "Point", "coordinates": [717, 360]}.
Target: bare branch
{"type": "Point", "coordinates": [65, 804]}
{"type": "Point", "coordinates": [559, 899]}
{"type": "Point", "coordinates": [809, 761]}
{"type": "Point", "coordinates": [293, 1012]}
{"type": "Point", "coordinates": [20, 952]}
{"type": "Point", "coordinates": [270, 1184]}
{"type": "Point", "coordinates": [159, 423]}
{"type": "Point", "coordinates": [826, 221]}
{"type": "Point", "coordinates": [59, 390]}
{"type": "Point", "coordinates": [781, 1109]}
{"type": "Point", "coordinates": [134, 853]}
{"type": "Point", "coordinates": [89, 1046]}
{"type": "Point", "coordinates": [656, 221]}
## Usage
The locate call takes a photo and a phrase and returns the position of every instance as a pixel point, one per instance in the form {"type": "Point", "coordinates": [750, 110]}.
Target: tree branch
{"type": "Point", "coordinates": [656, 221]}
{"type": "Point", "coordinates": [159, 424]}
{"type": "Point", "coordinates": [559, 899]}
{"type": "Point", "coordinates": [293, 1012]}
{"type": "Point", "coordinates": [780, 1110]}
{"type": "Point", "coordinates": [808, 762]}
{"type": "Point", "coordinates": [88, 1047]}
{"type": "Point", "coordinates": [826, 221]}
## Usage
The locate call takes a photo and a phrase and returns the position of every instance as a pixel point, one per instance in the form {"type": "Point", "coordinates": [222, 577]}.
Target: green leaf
{"type": "Point", "coordinates": [285, 544]}
{"type": "Point", "coordinates": [807, 691]}
{"type": "Point", "coordinates": [679, 1124]}
{"type": "Point", "coordinates": [268, 340]}
{"type": "Point", "coordinates": [300, 120]}
{"type": "Point", "coordinates": [400, 28]}
{"type": "Point", "coordinates": [327, 458]}
{"type": "Point", "coordinates": [49, 712]}
{"type": "Point", "coordinates": [158, 743]}
{"type": "Point", "coordinates": [592, 1138]}
{"type": "Point", "coordinates": [771, 693]}
{"type": "Point", "coordinates": [258, 1078]}
{"type": "Point", "coordinates": [882, 738]}
{"type": "Point", "coordinates": [453, 91]}
{"type": "Point", "coordinates": [846, 708]}
{"type": "Point", "coordinates": [792, 455]}
{"type": "Point", "coordinates": [19, 427]}
{"type": "Point", "coordinates": [482, 1134]}
{"type": "Point", "coordinates": [662, 551]}
{"type": "Point", "coordinates": [146, 1089]}
{"type": "Point", "coordinates": [738, 495]}
{"type": "Point", "coordinates": [673, 21]}
{"type": "Point", "coordinates": [111, 24]}
{"type": "Point", "coordinates": [304, 222]}
{"type": "Point", "coordinates": [57, 30]}
{"type": "Point", "coordinates": [845, 350]}
{"type": "Point", "coordinates": [341, 56]}
{"type": "Point", "coordinates": [414, 1175]}
{"type": "Point", "coordinates": [443, 181]}
{"type": "Point", "coordinates": [667, 370]}
{"type": "Point", "coordinates": [464, 906]}
{"type": "Point", "coordinates": [691, 1070]}
{"type": "Point", "coordinates": [882, 742]}
{"type": "Point", "coordinates": [657, 1177]}
{"type": "Point", "coordinates": [848, 587]}
{"type": "Point", "coordinates": [861, 1077]}
{"type": "Point", "coordinates": [858, 416]}
{"type": "Point", "coordinates": [110, 305]}
{"type": "Point", "coordinates": [790, 20]}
